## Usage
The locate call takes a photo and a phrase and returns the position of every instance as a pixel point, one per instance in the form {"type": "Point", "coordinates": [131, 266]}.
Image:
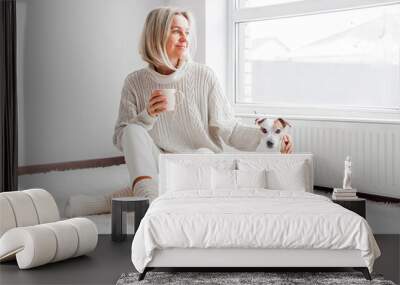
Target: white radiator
{"type": "Point", "coordinates": [374, 149]}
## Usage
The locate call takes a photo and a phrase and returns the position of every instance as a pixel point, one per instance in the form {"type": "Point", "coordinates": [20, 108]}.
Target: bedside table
{"type": "Point", "coordinates": [120, 206]}
{"type": "Point", "coordinates": [356, 205]}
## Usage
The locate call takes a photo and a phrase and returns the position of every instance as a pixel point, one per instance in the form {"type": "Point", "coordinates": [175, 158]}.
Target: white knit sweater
{"type": "Point", "coordinates": [203, 115]}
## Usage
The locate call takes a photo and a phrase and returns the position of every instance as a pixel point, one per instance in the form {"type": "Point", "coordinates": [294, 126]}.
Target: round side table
{"type": "Point", "coordinates": [122, 205]}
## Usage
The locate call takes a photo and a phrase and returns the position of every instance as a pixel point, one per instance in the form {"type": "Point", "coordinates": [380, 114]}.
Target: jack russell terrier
{"type": "Point", "coordinates": [273, 132]}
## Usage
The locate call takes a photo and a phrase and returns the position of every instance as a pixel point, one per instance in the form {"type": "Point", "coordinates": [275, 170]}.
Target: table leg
{"type": "Point", "coordinates": [117, 222]}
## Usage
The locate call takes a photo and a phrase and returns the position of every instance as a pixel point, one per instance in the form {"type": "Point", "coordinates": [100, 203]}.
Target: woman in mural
{"type": "Point", "coordinates": [174, 105]}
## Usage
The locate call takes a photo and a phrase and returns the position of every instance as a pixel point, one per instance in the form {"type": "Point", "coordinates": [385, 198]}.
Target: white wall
{"type": "Point", "coordinates": [216, 44]}
{"type": "Point", "coordinates": [72, 59]}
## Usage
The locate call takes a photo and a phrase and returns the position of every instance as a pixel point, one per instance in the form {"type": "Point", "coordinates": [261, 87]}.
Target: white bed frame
{"type": "Point", "coordinates": [238, 257]}
{"type": "Point", "coordinates": [242, 258]}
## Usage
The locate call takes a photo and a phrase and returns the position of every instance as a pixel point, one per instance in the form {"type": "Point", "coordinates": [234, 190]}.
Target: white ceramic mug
{"type": "Point", "coordinates": [171, 98]}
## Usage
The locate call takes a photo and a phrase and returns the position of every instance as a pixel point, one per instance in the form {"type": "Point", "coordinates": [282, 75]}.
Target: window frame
{"type": "Point", "coordinates": [285, 10]}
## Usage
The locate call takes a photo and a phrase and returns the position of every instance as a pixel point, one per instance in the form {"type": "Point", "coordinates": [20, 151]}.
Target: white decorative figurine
{"type": "Point", "coordinates": [347, 173]}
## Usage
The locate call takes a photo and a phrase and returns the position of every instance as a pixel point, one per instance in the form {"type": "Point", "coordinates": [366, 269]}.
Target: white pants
{"type": "Point", "coordinates": [141, 157]}
{"type": "Point", "coordinates": [141, 153]}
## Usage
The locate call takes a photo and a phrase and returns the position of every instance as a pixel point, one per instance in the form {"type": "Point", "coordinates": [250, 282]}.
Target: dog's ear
{"type": "Point", "coordinates": [284, 122]}
{"type": "Point", "coordinates": [259, 121]}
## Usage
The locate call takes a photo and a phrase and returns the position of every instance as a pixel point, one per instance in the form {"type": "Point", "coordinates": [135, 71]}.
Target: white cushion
{"type": "Point", "coordinates": [283, 173]}
{"type": "Point", "coordinates": [284, 178]}
{"type": "Point", "coordinates": [223, 179]}
{"type": "Point", "coordinates": [186, 177]}
{"type": "Point", "coordinates": [84, 205]}
{"type": "Point", "coordinates": [176, 173]}
{"type": "Point", "coordinates": [227, 180]}
{"type": "Point", "coordinates": [251, 178]}
{"type": "Point", "coordinates": [103, 223]}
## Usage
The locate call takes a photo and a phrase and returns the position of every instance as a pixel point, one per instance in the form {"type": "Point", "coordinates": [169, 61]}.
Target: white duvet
{"type": "Point", "coordinates": [252, 218]}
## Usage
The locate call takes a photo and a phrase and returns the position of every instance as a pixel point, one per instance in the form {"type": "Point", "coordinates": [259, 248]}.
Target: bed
{"type": "Point", "coordinates": [247, 210]}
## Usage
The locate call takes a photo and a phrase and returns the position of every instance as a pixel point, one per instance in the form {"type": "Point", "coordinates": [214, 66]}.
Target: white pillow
{"type": "Point", "coordinates": [223, 179]}
{"type": "Point", "coordinates": [171, 181]}
{"type": "Point", "coordinates": [283, 173]}
{"type": "Point", "coordinates": [188, 177]}
{"type": "Point", "coordinates": [283, 178]}
{"type": "Point", "coordinates": [85, 205]}
{"type": "Point", "coordinates": [231, 180]}
{"type": "Point", "coordinates": [251, 178]}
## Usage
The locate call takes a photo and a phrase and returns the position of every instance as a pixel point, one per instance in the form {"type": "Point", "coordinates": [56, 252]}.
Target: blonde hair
{"type": "Point", "coordinates": [155, 33]}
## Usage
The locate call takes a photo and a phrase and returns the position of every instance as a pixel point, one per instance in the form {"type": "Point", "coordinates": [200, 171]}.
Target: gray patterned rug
{"type": "Point", "coordinates": [270, 278]}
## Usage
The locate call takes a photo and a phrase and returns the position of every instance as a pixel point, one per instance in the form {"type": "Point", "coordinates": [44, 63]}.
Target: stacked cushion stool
{"type": "Point", "coordinates": [31, 230]}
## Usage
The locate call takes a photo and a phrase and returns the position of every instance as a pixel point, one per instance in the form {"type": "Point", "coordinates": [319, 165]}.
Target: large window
{"type": "Point", "coordinates": [336, 59]}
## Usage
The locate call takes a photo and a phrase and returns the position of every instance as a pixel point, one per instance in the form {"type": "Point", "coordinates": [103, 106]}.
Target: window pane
{"type": "Point", "coordinates": [348, 58]}
{"type": "Point", "coordinates": [259, 3]}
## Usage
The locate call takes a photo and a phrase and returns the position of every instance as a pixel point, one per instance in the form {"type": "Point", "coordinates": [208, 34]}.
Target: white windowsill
{"type": "Point", "coordinates": [361, 115]}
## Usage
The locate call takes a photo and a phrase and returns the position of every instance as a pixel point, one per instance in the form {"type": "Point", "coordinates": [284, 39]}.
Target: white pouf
{"type": "Point", "coordinates": [32, 233]}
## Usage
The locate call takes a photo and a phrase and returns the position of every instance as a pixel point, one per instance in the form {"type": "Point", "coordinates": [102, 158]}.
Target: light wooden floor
{"type": "Point", "coordinates": [110, 260]}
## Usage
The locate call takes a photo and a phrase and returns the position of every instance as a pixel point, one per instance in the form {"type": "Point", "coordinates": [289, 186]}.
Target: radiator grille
{"type": "Point", "coordinates": [374, 149]}
{"type": "Point", "coordinates": [375, 152]}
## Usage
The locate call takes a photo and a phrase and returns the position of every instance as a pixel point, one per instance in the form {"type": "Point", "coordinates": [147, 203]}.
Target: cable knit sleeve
{"type": "Point", "coordinates": [222, 121]}
{"type": "Point", "coordinates": [128, 114]}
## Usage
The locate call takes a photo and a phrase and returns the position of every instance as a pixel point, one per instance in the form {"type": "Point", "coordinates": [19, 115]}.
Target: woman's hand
{"type": "Point", "coordinates": [157, 103]}
{"type": "Point", "coordinates": [287, 144]}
